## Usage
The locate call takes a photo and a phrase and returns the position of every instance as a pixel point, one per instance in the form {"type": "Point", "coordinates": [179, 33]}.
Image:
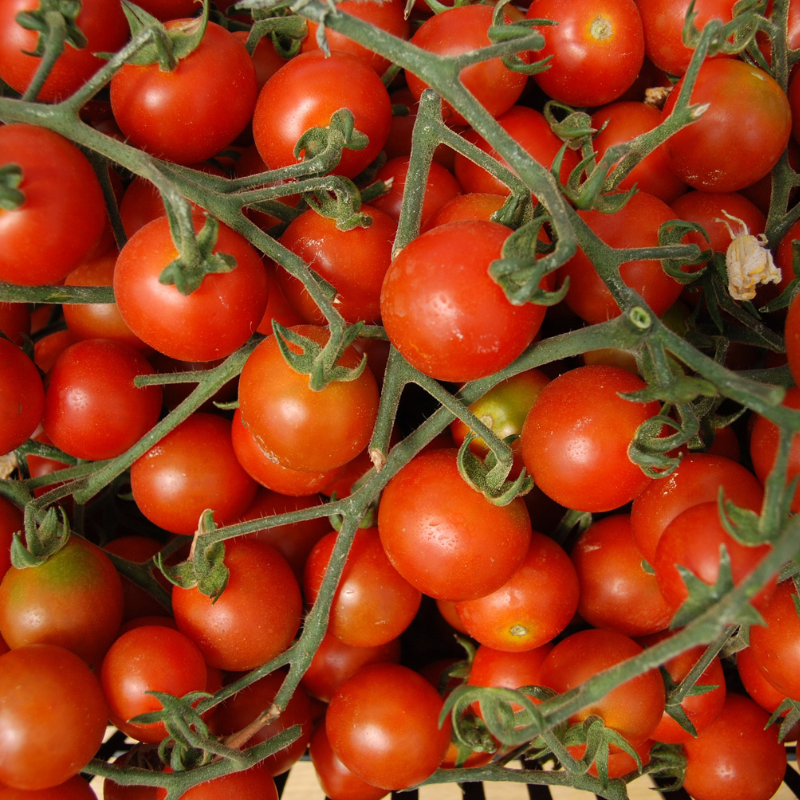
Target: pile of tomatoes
{"type": "Point", "coordinates": [414, 387]}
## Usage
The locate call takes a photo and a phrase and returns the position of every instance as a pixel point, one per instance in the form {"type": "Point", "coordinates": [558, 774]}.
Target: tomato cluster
{"type": "Point", "coordinates": [411, 387]}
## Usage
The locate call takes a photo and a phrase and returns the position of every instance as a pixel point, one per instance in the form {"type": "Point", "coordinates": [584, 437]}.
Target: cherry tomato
{"type": "Point", "coordinates": [305, 93]}
{"type": "Point", "coordinates": [76, 788]}
{"type": "Point", "coordinates": [63, 213]}
{"type": "Point", "coordinates": [444, 313]}
{"type": "Point", "coordinates": [52, 716]}
{"type": "Point", "coordinates": [11, 521]}
{"type": "Point", "coordinates": [254, 619]}
{"type": "Point", "coordinates": [507, 670]}
{"type": "Point", "coordinates": [444, 537]}
{"type": "Point", "coordinates": [615, 590]}
{"type": "Point", "coordinates": [720, 152]}
{"type": "Point", "coordinates": [212, 321]}
{"type": "Point", "coordinates": [532, 608]}
{"type": "Point", "coordinates": [21, 397]}
{"type": "Point", "coordinates": [192, 112]}
{"type": "Point", "coordinates": [472, 205]}
{"type": "Point", "coordinates": [73, 600]}
{"type": "Point", "coordinates": [575, 438]}
{"type": "Point", "coordinates": [737, 757]}
{"type": "Point", "coordinates": [193, 468]}
{"type": "Point", "coordinates": [597, 49]}
{"type": "Point", "coordinates": [306, 430]}
{"type": "Point", "coordinates": [374, 736]}
{"type": "Point", "coordinates": [460, 30]}
{"type": "Point", "coordinates": [373, 603]}
{"type": "Point", "coordinates": [254, 783]}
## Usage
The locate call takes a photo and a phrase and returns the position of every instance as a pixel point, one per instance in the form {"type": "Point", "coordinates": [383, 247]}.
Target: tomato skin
{"type": "Point", "coordinates": [191, 469]}
{"type": "Point", "coordinates": [634, 709]}
{"type": "Point", "coordinates": [254, 783]}
{"type": "Point", "coordinates": [775, 647]}
{"type": "Point", "coordinates": [44, 239]}
{"type": "Point", "coordinates": [532, 608]}
{"type": "Point", "coordinates": [12, 520]}
{"type": "Point", "coordinates": [792, 336]}
{"type": "Point", "coordinates": [741, 136]}
{"type": "Point", "coordinates": [52, 716]}
{"type": "Point", "coordinates": [303, 429]}
{"type": "Point", "coordinates": [21, 397]}
{"type": "Point", "coordinates": [444, 313]}
{"type": "Point", "coordinates": [146, 659]}
{"type": "Point", "coordinates": [373, 603]}
{"type": "Point", "coordinates": [76, 788]}
{"type": "Point", "coordinates": [615, 591]}
{"type": "Point", "coordinates": [101, 21]}
{"type": "Point", "coordinates": [305, 93]}
{"type": "Point", "coordinates": [353, 261]}
{"type": "Point", "coordinates": [73, 600]}
{"type": "Point", "coordinates": [635, 225]}
{"type": "Point", "coordinates": [255, 618]}
{"type": "Point", "coordinates": [693, 540]}
{"type": "Point", "coordinates": [372, 733]}
{"type": "Point", "coordinates": [697, 479]}
{"type": "Point", "coordinates": [92, 408]}
{"type": "Point", "coordinates": [597, 49]}
{"type": "Point", "coordinates": [211, 322]}
{"type": "Point", "coordinates": [577, 429]}
{"type": "Point", "coordinates": [166, 114]}
{"type": "Point", "coordinates": [444, 537]}
{"type": "Point", "coordinates": [15, 321]}
{"type": "Point", "coordinates": [335, 662]}
{"type": "Point", "coordinates": [460, 30]}
{"type": "Point", "coordinates": [471, 205]}
{"type": "Point", "coordinates": [736, 758]}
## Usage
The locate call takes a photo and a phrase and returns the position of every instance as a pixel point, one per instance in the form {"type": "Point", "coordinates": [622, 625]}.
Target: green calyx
{"type": "Point", "coordinates": [63, 13]}
{"type": "Point", "coordinates": [42, 539]}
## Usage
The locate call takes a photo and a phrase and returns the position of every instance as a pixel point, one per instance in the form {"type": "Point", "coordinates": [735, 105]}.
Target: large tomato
{"type": "Point", "coordinates": [73, 600]}
{"type": "Point", "coordinates": [212, 321]}
{"type": "Point", "coordinates": [444, 537]}
{"type": "Point", "coordinates": [575, 439]}
{"type": "Point", "coordinates": [445, 314]}
{"type": "Point", "coordinates": [52, 716]}
{"type": "Point", "coordinates": [103, 24]}
{"type": "Point", "coordinates": [596, 47]}
{"type": "Point", "coordinates": [192, 112]}
{"type": "Point", "coordinates": [63, 213]}
{"type": "Point", "coordinates": [303, 429]}
{"type": "Point", "coordinates": [742, 133]}
{"type": "Point", "coordinates": [305, 93]}
{"type": "Point", "coordinates": [383, 724]}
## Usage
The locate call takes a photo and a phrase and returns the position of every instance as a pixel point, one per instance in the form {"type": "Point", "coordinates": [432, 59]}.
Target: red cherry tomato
{"type": "Point", "coordinates": [21, 397]}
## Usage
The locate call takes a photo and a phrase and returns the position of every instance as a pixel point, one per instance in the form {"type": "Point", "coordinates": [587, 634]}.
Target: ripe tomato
{"type": "Point", "coordinates": [63, 214]}
{"type": "Point", "coordinates": [575, 438]}
{"type": "Point", "coordinates": [15, 321]}
{"type": "Point", "coordinates": [373, 603]}
{"type": "Point", "coordinates": [444, 537]}
{"type": "Point", "coordinates": [147, 659]}
{"type": "Point", "coordinates": [445, 314]}
{"type": "Point", "coordinates": [693, 540]}
{"type": "Point", "coordinates": [701, 709]}
{"type": "Point", "coordinates": [212, 321]}
{"type": "Point", "coordinates": [372, 732]}
{"type": "Point", "coordinates": [775, 646]}
{"type": "Point", "coordinates": [697, 479]}
{"type": "Point", "coordinates": [792, 334]}
{"type": "Point", "coordinates": [532, 607]}
{"type": "Point", "coordinates": [254, 783]}
{"type": "Point", "coordinates": [21, 397]}
{"type": "Point", "coordinates": [11, 521]}
{"type": "Point", "coordinates": [615, 591]}
{"type": "Point", "coordinates": [92, 409]}
{"type": "Point", "coordinates": [353, 262]}
{"type": "Point", "coordinates": [721, 152]}
{"type": "Point", "coordinates": [254, 619]}
{"type": "Point", "coordinates": [73, 600]}
{"type": "Point", "coordinates": [52, 716]}
{"type": "Point", "coordinates": [193, 468]}
{"type": "Point", "coordinates": [633, 709]}
{"type": "Point", "coordinates": [76, 788]}
{"type": "Point", "coordinates": [472, 205]}
{"type": "Point", "coordinates": [597, 49]}
{"type": "Point", "coordinates": [305, 93]}
{"type": "Point", "coordinates": [101, 21]}
{"type": "Point", "coordinates": [460, 30]}
{"type": "Point", "coordinates": [636, 224]}
{"type": "Point", "coordinates": [335, 662]}
{"type": "Point", "coordinates": [738, 757]}
{"type": "Point", "coordinates": [303, 429]}
{"type": "Point", "coordinates": [192, 112]}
